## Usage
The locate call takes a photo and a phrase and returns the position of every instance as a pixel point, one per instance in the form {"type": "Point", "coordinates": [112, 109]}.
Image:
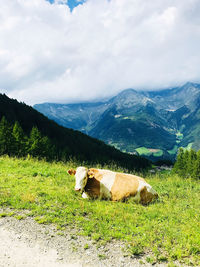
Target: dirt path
{"type": "Point", "coordinates": [19, 249]}
{"type": "Point", "coordinates": [25, 243]}
{"type": "Point", "coordinates": [16, 252]}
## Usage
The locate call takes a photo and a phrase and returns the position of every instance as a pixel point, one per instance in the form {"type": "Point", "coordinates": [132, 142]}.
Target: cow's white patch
{"type": "Point", "coordinates": [151, 190]}
{"type": "Point", "coordinates": [81, 178]}
{"type": "Point", "coordinates": [85, 195]}
{"type": "Point", "coordinates": [106, 183]}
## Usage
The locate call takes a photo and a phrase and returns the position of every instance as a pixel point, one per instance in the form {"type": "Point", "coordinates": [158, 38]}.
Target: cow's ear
{"type": "Point", "coordinates": [72, 172]}
{"type": "Point", "coordinates": [90, 174]}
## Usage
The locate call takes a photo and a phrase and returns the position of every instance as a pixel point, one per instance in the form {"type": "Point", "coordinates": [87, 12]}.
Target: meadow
{"type": "Point", "coordinates": [167, 230]}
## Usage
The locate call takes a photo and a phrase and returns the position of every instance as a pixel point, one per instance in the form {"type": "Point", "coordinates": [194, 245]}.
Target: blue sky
{"type": "Point", "coordinates": [71, 3]}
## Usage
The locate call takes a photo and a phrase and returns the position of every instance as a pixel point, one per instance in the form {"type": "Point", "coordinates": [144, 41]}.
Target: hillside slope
{"type": "Point", "coordinates": [69, 143]}
{"type": "Point", "coordinates": [154, 123]}
{"type": "Point", "coordinates": [163, 233]}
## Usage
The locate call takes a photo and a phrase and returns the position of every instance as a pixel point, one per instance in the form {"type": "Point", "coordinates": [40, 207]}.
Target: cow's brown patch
{"type": "Point", "coordinates": [94, 173]}
{"type": "Point", "coordinates": [124, 186]}
{"type": "Point", "coordinates": [92, 187]}
{"type": "Point", "coordinates": [146, 197]}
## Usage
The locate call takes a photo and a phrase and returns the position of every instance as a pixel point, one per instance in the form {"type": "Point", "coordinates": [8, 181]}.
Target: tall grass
{"type": "Point", "coordinates": [169, 229]}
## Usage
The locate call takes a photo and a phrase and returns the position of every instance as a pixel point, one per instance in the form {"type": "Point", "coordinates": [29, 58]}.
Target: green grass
{"type": "Point", "coordinates": [168, 228]}
{"type": "Point", "coordinates": [143, 151]}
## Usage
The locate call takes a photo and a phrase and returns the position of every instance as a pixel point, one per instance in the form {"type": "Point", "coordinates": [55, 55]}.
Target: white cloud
{"type": "Point", "coordinates": [48, 53]}
{"type": "Point", "coordinates": [62, 2]}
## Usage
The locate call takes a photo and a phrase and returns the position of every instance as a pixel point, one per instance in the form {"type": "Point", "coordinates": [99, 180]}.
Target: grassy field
{"type": "Point", "coordinates": [169, 229]}
{"type": "Point", "coordinates": [143, 151]}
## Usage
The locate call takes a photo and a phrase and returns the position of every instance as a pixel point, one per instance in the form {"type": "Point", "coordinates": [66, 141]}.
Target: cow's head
{"type": "Point", "coordinates": [81, 176]}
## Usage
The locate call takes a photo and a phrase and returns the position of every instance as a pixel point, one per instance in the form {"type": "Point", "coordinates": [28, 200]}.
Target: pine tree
{"type": "Point", "coordinates": [179, 166]}
{"type": "Point", "coordinates": [184, 171]}
{"type": "Point", "coordinates": [6, 138]}
{"type": "Point", "coordinates": [40, 146]}
{"type": "Point", "coordinates": [34, 142]}
{"type": "Point", "coordinates": [196, 169]}
{"type": "Point", "coordinates": [19, 140]}
{"type": "Point", "coordinates": [47, 149]}
{"type": "Point", "coordinates": [191, 161]}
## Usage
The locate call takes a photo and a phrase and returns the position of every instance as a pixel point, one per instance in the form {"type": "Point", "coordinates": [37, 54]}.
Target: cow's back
{"type": "Point", "coordinates": [124, 186]}
{"type": "Point", "coordinates": [127, 185]}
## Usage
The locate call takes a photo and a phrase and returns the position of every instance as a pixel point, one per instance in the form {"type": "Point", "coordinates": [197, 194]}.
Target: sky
{"type": "Point", "coordinates": [71, 51]}
{"type": "Point", "coordinates": [71, 3]}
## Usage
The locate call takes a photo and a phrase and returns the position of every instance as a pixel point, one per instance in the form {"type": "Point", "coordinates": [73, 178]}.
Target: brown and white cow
{"type": "Point", "coordinates": [105, 184]}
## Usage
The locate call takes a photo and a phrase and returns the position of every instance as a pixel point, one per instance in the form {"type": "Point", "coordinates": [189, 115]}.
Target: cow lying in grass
{"type": "Point", "coordinates": [105, 184]}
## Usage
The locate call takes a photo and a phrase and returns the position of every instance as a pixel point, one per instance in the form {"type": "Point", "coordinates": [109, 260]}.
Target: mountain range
{"type": "Point", "coordinates": [150, 123]}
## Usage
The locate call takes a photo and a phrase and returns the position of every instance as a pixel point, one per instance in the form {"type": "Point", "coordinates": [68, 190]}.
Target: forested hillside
{"type": "Point", "coordinates": [14, 142]}
{"type": "Point", "coordinates": [45, 138]}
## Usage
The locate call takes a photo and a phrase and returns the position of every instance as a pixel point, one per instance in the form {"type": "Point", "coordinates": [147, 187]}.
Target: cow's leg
{"type": "Point", "coordinates": [84, 195]}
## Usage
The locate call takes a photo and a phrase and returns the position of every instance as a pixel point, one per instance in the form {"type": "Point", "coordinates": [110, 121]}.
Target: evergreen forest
{"type": "Point", "coordinates": [187, 164]}
{"type": "Point", "coordinates": [14, 142]}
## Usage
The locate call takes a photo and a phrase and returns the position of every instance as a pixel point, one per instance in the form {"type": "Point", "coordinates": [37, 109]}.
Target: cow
{"type": "Point", "coordinates": [115, 186]}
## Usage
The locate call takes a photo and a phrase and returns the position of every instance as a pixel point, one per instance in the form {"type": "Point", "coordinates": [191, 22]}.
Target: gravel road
{"type": "Point", "coordinates": [17, 252]}
{"type": "Point", "coordinates": [25, 243]}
